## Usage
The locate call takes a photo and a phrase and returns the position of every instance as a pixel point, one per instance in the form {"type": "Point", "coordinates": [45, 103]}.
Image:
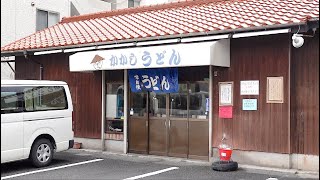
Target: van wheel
{"type": "Point", "coordinates": [41, 153]}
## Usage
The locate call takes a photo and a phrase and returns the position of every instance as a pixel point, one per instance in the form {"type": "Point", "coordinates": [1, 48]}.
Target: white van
{"type": "Point", "coordinates": [36, 120]}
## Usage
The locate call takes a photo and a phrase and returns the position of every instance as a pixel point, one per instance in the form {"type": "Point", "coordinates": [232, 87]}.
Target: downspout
{"type": "Point", "coordinates": [210, 111]}
{"type": "Point", "coordinates": [289, 104]}
{"type": "Point", "coordinates": [103, 109]}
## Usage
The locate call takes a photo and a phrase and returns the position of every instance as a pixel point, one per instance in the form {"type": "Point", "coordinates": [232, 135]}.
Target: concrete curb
{"type": "Point", "coordinates": [173, 159]}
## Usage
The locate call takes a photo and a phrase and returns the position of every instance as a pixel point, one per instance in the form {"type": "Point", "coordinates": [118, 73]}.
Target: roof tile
{"type": "Point", "coordinates": [187, 16]}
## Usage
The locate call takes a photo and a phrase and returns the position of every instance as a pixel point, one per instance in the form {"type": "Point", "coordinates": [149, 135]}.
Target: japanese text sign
{"type": "Point", "coordinates": [156, 80]}
{"type": "Point", "coordinates": [177, 55]}
{"type": "Point", "coordinates": [249, 87]}
{"type": "Point", "coordinates": [249, 104]}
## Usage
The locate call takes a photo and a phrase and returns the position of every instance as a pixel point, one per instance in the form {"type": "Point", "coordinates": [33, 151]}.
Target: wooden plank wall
{"type": "Point", "coordinates": [266, 129]}
{"type": "Point", "coordinates": [305, 97]}
{"type": "Point", "coordinates": [85, 89]}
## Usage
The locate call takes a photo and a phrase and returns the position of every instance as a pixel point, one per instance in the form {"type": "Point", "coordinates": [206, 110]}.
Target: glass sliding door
{"type": "Point", "coordinates": [198, 120]}
{"type": "Point", "coordinates": [157, 124]}
{"type": "Point", "coordinates": [178, 122]}
{"type": "Point", "coordinates": [138, 123]}
{"type": "Point", "coordinates": [172, 124]}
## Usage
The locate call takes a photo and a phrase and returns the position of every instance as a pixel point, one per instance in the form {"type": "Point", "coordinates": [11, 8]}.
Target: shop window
{"type": "Point", "coordinates": [178, 102]}
{"type": "Point", "coordinates": [114, 110]}
{"type": "Point", "coordinates": [139, 104]}
{"type": "Point", "coordinates": [196, 94]}
{"type": "Point", "coordinates": [157, 105]}
{"type": "Point", "coordinates": [199, 100]}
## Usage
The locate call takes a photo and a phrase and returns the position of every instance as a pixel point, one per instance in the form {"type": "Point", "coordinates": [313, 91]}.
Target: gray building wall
{"type": "Point", "coordinates": [18, 19]}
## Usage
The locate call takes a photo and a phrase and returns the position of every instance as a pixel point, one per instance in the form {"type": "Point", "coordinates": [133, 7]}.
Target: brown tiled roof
{"type": "Point", "coordinates": [182, 18]}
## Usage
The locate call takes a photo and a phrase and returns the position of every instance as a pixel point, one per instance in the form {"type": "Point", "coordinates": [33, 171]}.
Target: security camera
{"type": "Point", "coordinates": [297, 40]}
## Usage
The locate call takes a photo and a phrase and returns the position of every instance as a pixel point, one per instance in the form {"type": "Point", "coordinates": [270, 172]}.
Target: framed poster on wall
{"type": "Point", "coordinates": [225, 93]}
{"type": "Point", "coordinates": [275, 89]}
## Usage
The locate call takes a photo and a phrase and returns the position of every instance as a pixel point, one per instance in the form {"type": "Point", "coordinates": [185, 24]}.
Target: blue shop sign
{"type": "Point", "coordinates": [160, 80]}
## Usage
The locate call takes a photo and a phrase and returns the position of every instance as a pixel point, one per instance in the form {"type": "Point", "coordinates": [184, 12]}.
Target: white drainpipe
{"type": "Point", "coordinates": [125, 104]}
{"type": "Point", "coordinates": [103, 109]}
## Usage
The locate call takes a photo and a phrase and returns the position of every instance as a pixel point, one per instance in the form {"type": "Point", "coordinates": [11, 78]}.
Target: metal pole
{"type": "Point", "coordinates": [289, 103]}
{"type": "Point", "coordinates": [210, 111]}
{"type": "Point", "coordinates": [103, 109]}
{"type": "Point", "coordinates": [125, 110]}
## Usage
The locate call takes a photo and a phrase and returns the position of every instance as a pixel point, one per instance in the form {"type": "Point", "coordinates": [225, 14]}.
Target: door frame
{"type": "Point", "coordinates": [210, 123]}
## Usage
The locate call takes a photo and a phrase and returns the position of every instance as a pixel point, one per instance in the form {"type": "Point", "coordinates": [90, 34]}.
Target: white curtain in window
{"type": "Point", "coordinates": [53, 18]}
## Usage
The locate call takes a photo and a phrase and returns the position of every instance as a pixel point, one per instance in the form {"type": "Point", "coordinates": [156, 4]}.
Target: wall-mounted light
{"type": "Point", "coordinates": [25, 54]}
{"type": "Point", "coordinates": [297, 40]}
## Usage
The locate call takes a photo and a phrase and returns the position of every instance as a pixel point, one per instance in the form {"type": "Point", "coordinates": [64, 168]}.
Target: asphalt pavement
{"type": "Point", "coordinates": [85, 164]}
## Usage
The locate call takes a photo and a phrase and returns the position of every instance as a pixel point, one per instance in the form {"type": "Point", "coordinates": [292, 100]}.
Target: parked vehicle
{"type": "Point", "coordinates": [36, 120]}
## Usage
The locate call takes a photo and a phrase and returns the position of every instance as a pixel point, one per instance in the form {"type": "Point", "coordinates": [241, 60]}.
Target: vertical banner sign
{"type": "Point", "coordinates": [160, 80]}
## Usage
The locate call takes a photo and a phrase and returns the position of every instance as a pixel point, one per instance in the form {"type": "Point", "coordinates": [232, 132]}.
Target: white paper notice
{"type": "Point", "coordinates": [225, 93]}
{"type": "Point", "coordinates": [249, 87]}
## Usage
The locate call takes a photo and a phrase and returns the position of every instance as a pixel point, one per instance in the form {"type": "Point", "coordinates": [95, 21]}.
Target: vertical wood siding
{"type": "Point", "coordinates": [85, 89]}
{"type": "Point", "coordinates": [305, 97]}
{"type": "Point", "coordinates": [266, 129]}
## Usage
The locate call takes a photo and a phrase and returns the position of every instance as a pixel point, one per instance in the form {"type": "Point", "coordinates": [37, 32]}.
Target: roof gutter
{"type": "Point", "coordinates": [133, 42]}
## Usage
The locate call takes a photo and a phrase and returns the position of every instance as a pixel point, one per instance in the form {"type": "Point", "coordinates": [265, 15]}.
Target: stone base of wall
{"type": "Point", "coordinates": [87, 143]}
{"type": "Point", "coordinates": [274, 160]}
{"type": "Point", "coordinates": [95, 144]}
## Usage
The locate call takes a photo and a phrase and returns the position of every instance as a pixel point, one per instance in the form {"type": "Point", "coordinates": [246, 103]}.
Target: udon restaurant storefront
{"type": "Point", "coordinates": [157, 99]}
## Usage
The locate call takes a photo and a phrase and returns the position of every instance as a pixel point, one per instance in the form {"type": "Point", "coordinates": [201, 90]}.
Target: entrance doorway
{"type": "Point", "coordinates": [175, 124]}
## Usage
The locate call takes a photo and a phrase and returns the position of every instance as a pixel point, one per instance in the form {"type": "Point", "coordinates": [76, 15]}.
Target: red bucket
{"type": "Point", "coordinates": [225, 154]}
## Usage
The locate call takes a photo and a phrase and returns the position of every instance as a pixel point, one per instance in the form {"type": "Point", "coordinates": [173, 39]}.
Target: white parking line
{"type": "Point", "coordinates": [152, 173]}
{"type": "Point", "coordinates": [50, 169]}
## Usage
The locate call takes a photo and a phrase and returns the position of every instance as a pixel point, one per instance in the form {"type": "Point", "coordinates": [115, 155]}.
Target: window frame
{"type": "Point", "coordinates": [110, 121]}
{"type": "Point", "coordinates": [47, 11]}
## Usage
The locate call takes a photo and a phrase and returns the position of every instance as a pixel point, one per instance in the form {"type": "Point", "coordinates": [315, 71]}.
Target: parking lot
{"type": "Point", "coordinates": [80, 164]}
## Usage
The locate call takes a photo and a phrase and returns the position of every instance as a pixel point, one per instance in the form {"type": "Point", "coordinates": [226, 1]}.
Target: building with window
{"type": "Point", "coordinates": [22, 18]}
{"type": "Point", "coordinates": [36, 15]}
{"type": "Point", "coordinates": [174, 79]}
